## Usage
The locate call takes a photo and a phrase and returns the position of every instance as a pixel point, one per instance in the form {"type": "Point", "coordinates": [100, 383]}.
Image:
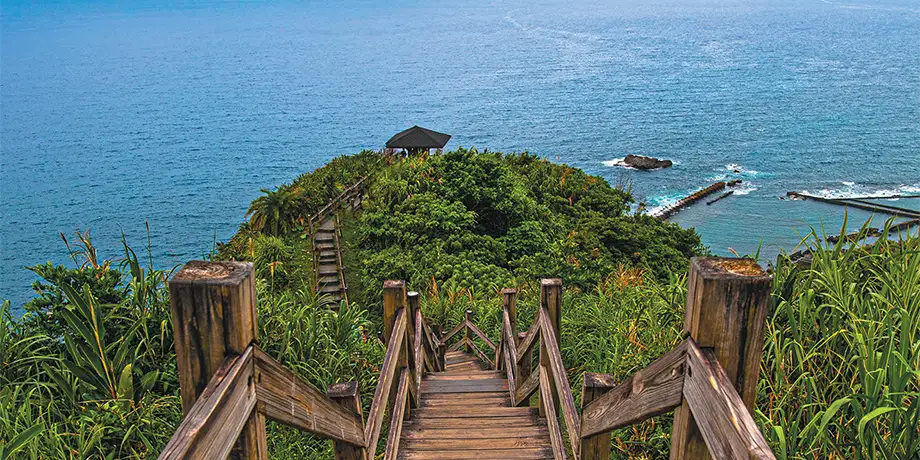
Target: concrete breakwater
{"type": "Point", "coordinates": [668, 211]}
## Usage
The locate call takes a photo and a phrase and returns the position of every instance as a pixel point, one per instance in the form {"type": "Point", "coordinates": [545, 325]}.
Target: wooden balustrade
{"type": "Point", "coordinates": [709, 380]}
{"type": "Point", "coordinates": [229, 386]}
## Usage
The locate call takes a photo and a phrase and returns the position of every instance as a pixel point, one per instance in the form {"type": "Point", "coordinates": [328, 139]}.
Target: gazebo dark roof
{"type": "Point", "coordinates": [417, 137]}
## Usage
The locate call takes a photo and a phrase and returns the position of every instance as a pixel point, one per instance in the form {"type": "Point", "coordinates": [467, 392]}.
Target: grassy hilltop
{"type": "Point", "coordinates": [89, 371]}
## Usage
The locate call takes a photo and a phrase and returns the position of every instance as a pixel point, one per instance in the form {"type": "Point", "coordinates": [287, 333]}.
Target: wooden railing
{"type": "Point", "coordinates": [350, 193]}
{"type": "Point", "coordinates": [709, 379]}
{"type": "Point", "coordinates": [466, 341]}
{"type": "Point", "coordinates": [229, 386]}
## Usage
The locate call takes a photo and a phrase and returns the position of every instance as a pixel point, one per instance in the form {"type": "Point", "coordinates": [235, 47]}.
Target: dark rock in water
{"type": "Point", "coordinates": [732, 183]}
{"type": "Point", "coordinates": [645, 163]}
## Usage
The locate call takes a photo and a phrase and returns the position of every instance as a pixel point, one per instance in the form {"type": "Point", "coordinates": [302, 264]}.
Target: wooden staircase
{"type": "Point", "coordinates": [465, 412]}
{"type": "Point", "coordinates": [459, 394]}
{"type": "Point", "coordinates": [325, 229]}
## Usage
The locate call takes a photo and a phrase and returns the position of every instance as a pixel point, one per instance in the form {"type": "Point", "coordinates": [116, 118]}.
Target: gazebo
{"type": "Point", "coordinates": [416, 139]}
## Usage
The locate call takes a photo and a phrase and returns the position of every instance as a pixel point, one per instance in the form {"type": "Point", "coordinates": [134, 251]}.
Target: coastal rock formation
{"type": "Point", "coordinates": [646, 163]}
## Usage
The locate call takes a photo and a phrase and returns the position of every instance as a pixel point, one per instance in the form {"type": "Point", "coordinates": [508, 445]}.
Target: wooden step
{"type": "Point", "coordinates": [485, 433]}
{"type": "Point", "coordinates": [325, 269]}
{"type": "Point", "coordinates": [329, 279]}
{"type": "Point", "coordinates": [477, 423]}
{"type": "Point", "coordinates": [478, 443]}
{"type": "Point", "coordinates": [497, 454]}
{"type": "Point", "coordinates": [321, 246]}
{"type": "Point", "coordinates": [467, 386]}
{"type": "Point", "coordinates": [330, 289]}
{"type": "Point", "coordinates": [474, 411]}
{"type": "Point", "coordinates": [465, 376]}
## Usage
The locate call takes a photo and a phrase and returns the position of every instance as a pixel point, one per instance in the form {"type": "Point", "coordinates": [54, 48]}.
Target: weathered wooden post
{"type": "Point", "coordinates": [347, 395]}
{"type": "Point", "coordinates": [466, 331]}
{"type": "Point", "coordinates": [214, 316]}
{"type": "Point", "coordinates": [727, 301]}
{"type": "Point", "coordinates": [394, 299]}
{"type": "Point", "coordinates": [412, 309]}
{"type": "Point", "coordinates": [509, 302]}
{"type": "Point", "coordinates": [525, 367]}
{"type": "Point", "coordinates": [551, 301]}
{"type": "Point", "coordinates": [595, 447]}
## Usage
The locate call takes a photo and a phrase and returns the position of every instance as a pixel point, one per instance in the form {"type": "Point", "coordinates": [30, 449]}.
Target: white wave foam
{"type": "Point", "coordinates": [738, 169]}
{"type": "Point", "coordinates": [744, 188]}
{"type": "Point", "coordinates": [852, 189]}
{"type": "Point", "coordinates": [621, 162]}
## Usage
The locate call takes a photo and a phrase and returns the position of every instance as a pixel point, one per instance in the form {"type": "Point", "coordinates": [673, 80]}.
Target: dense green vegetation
{"type": "Point", "coordinates": [89, 370]}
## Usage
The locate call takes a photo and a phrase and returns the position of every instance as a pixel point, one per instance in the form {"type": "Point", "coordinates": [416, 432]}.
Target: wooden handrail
{"type": "Point", "coordinates": [443, 340]}
{"type": "Point", "coordinates": [525, 345]}
{"type": "Point", "coordinates": [652, 391]}
{"type": "Point", "coordinates": [552, 423]}
{"type": "Point", "coordinates": [384, 384]}
{"type": "Point", "coordinates": [510, 356]}
{"type": "Point", "coordinates": [557, 372]}
{"type": "Point", "coordinates": [286, 398]}
{"type": "Point", "coordinates": [318, 216]}
{"type": "Point", "coordinates": [214, 422]}
{"type": "Point", "coordinates": [727, 303]}
{"type": "Point", "coordinates": [480, 354]}
{"type": "Point", "coordinates": [397, 416]}
{"type": "Point", "coordinates": [482, 336]}
{"type": "Point", "coordinates": [724, 422]}
{"type": "Point", "coordinates": [256, 381]}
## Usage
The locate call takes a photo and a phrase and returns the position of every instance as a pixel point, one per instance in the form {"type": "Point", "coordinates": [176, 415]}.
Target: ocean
{"type": "Point", "coordinates": [115, 115]}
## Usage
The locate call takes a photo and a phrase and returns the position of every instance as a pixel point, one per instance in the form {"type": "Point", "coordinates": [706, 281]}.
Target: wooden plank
{"type": "Point", "coordinates": [452, 332]}
{"type": "Point", "coordinates": [528, 388]}
{"type": "Point", "coordinates": [494, 394]}
{"type": "Point", "coordinates": [475, 423]}
{"type": "Point", "coordinates": [727, 302]}
{"type": "Point", "coordinates": [347, 396]}
{"type": "Point", "coordinates": [551, 302]}
{"type": "Point", "coordinates": [524, 345]}
{"type": "Point", "coordinates": [286, 398]}
{"type": "Point", "coordinates": [552, 423]}
{"type": "Point", "coordinates": [214, 315]}
{"type": "Point", "coordinates": [483, 433]}
{"type": "Point", "coordinates": [475, 412]}
{"type": "Point", "coordinates": [560, 381]}
{"type": "Point", "coordinates": [722, 417]}
{"type": "Point", "coordinates": [482, 356]}
{"type": "Point", "coordinates": [524, 370]}
{"type": "Point", "coordinates": [463, 342]}
{"type": "Point", "coordinates": [397, 416]}
{"type": "Point", "coordinates": [418, 351]}
{"type": "Point", "coordinates": [482, 336]}
{"type": "Point", "coordinates": [471, 376]}
{"type": "Point", "coordinates": [455, 404]}
{"type": "Point", "coordinates": [478, 443]}
{"type": "Point", "coordinates": [652, 391]}
{"type": "Point", "coordinates": [498, 454]}
{"type": "Point", "coordinates": [477, 386]}
{"type": "Point", "coordinates": [510, 357]}
{"type": "Point", "coordinates": [213, 423]}
{"type": "Point", "coordinates": [596, 447]}
{"type": "Point", "coordinates": [384, 384]}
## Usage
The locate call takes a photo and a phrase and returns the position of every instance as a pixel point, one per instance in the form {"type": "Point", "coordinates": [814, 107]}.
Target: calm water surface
{"type": "Point", "coordinates": [113, 115]}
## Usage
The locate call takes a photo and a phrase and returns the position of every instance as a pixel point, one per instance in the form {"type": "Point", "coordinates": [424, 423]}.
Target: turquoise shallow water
{"type": "Point", "coordinates": [111, 116]}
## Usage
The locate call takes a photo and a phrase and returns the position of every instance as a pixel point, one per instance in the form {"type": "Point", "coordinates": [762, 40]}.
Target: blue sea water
{"type": "Point", "coordinates": [113, 114]}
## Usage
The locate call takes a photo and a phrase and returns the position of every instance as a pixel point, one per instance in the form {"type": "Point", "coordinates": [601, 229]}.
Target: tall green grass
{"type": "Point", "coordinates": [841, 371]}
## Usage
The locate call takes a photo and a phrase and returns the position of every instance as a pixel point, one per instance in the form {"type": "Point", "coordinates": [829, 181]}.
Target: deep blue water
{"type": "Point", "coordinates": [113, 115]}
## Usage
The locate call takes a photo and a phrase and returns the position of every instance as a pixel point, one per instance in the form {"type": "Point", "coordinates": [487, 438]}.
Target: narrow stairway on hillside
{"type": "Point", "coordinates": [465, 413]}
{"type": "Point", "coordinates": [327, 251]}
{"type": "Point", "coordinates": [329, 277]}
